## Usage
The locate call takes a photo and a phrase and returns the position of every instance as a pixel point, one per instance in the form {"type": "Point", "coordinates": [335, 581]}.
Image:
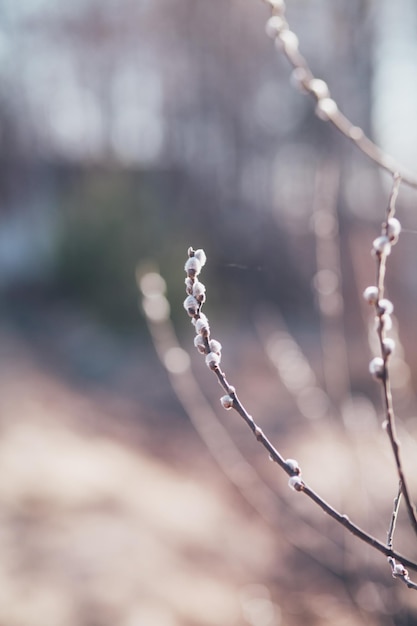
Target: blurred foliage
{"type": "Point", "coordinates": [152, 128]}
{"type": "Point", "coordinates": [113, 220]}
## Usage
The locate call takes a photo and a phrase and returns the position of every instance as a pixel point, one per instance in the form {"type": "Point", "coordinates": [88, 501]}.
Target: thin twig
{"type": "Point", "coordinates": [397, 569]}
{"type": "Point", "coordinates": [219, 443]}
{"type": "Point", "coordinates": [300, 484]}
{"type": "Point", "coordinates": [212, 349]}
{"type": "Point", "coordinates": [391, 530]}
{"type": "Point", "coordinates": [327, 108]}
{"type": "Point", "coordinates": [380, 366]}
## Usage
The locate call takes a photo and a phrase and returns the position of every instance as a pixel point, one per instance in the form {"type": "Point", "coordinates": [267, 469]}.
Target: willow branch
{"type": "Point", "coordinates": [394, 516]}
{"type": "Point", "coordinates": [379, 366]}
{"type": "Point", "coordinates": [327, 108]}
{"type": "Point", "coordinates": [397, 569]}
{"type": "Point", "coordinates": [211, 348]}
{"type": "Point", "coordinates": [214, 435]}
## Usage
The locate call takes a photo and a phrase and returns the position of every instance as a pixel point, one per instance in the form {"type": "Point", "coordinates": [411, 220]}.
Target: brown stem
{"type": "Point", "coordinates": [386, 382]}
{"type": "Point", "coordinates": [354, 133]}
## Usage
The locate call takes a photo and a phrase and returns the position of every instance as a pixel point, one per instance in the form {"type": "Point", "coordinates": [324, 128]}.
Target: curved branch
{"type": "Point", "coordinates": [212, 350]}
{"type": "Point", "coordinates": [327, 108]}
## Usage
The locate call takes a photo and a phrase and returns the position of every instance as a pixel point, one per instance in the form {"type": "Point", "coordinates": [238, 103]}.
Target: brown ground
{"type": "Point", "coordinates": [104, 524]}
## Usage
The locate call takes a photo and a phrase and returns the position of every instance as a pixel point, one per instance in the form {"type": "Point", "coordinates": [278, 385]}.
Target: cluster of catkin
{"type": "Point", "coordinates": [373, 294]}
{"type": "Point", "coordinates": [211, 348]}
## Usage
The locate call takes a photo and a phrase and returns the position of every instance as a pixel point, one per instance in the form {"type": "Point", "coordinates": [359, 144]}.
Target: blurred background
{"type": "Point", "coordinates": [130, 130]}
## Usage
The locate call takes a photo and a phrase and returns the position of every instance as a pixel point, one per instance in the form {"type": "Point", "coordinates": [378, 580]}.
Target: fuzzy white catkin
{"type": "Point", "coordinates": [199, 291]}
{"type": "Point", "coordinates": [385, 306]}
{"type": "Point", "coordinates": [192, 266]}
{"type": "Point", "coordinates": [215, 346]}
{"type": "Point", "coordinates": [212, 360]}
{"type": "Point", "coordinates": [371, 294]}
{"type": "Point", "coordinates": [376, 367]}
{"type": "Point", "coordinates": [202, 326]}
{"type": "Point", "coordinates": [319, 88]}
{"type": "Point", "coordinates": [189, 283]}
{"type": "Point", "coordinates": [199, 343]}
{"type": "Point", "coordinates": [326, 108]}
{"type": "Point", "coordinates": [381, 245]}
{"type": "Point", "coordinates": [393, 230]}
{"type": "Point", "coordinates": [388, 346]}
{"type": "Point", "coordinates": [227, 402]}
{"type": "Point", "coordinates": [293, 465]}
{"type": "Point", "coordinates": [399, 570]}
{"type": "Point", "coordinates": [274, 26]}
{"type": "Point", "coordinates": [200, 255]}
{"type": "Point", "coordinates": [191, 305]}
{"type": "Point", "coordinates": [202, 318]}
{"type": "Point", "coordinates": [287, 40]}
{"type": "Point", "coordinates": [296, 483]}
